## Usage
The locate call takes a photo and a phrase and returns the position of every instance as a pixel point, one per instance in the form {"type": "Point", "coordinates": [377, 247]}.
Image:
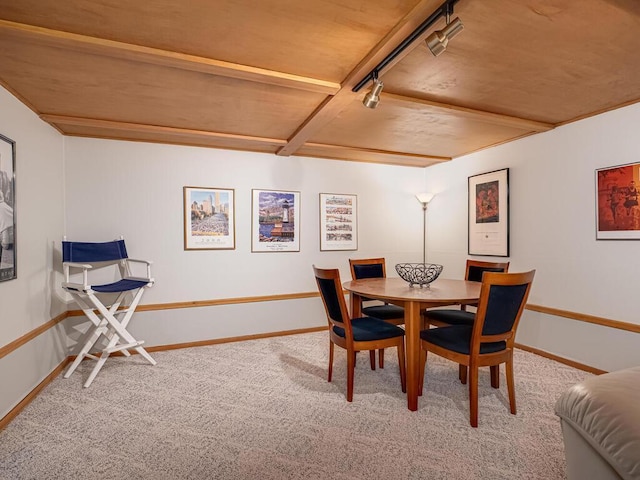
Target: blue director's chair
{"type": "Point", "coordinates": [110, 322]}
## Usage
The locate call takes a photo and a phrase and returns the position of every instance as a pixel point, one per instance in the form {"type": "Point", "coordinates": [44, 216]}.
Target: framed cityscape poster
{"type": "Point", "coordinates": [489, 214]}
{"type": "Point", "coordinates": [617, 196]}
{"type": "Point", "coordinates": [338, 221]}
{"type": "Point", "coordinates": [8, 270]}
{"type": "Point", "coordinates": [209, 218]}
{"type": "Point", "coordinates": [275, 223]}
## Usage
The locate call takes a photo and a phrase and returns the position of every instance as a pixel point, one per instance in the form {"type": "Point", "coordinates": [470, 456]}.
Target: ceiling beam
{"type": "Point", "coordinates": [325, 146]}
{"type": "Point", "coordinates": [495, 144]}
{"type": "Point", "coordinates": [354, 152]}
{"type": "Point", "coordinates": [332, 106]}
{"type": "Point", "coordinates": [494, 118]}
{"type": "Point", "coordinates": [155, 56]}
{"type": "Point", "coordinates": [339, 152]}
{"type": "Point", "coordinates": [61, 120]}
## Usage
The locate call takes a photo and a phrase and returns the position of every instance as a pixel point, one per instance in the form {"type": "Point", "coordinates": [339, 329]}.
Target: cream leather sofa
{"type": "Point", "coordinates": [600, 420]}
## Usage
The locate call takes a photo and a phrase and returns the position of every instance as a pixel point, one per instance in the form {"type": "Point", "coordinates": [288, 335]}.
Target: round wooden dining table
{"type": "Point", "coordinates": [441, 292]}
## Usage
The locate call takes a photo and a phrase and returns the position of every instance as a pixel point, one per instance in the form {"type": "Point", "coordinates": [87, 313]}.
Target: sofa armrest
{"type": "Point", "coordinates": [605, 411]}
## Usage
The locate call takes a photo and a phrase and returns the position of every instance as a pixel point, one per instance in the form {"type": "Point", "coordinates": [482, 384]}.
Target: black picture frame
{"type": "Point", "coordinates": [488, 201]}
{"type": "Point", "coordinates": [8, 255]}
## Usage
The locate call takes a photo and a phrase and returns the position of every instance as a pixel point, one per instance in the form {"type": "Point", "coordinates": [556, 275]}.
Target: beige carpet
{"type": "Point", "coordinates": [263, 409]}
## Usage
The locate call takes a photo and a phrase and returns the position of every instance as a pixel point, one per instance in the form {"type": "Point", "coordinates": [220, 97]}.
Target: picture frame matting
{"type": "Point", "coordinates": [338, 221]}
{"type": "Point", "coordinates": [209, 218]}
{"type": "Point", "coordinates": [275, 221]}
{"type": "Point", "coordinates": [488, 197]}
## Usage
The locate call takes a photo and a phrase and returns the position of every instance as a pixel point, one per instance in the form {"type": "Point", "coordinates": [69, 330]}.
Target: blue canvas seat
{"type": "Point", "coordinates": [108, 313]}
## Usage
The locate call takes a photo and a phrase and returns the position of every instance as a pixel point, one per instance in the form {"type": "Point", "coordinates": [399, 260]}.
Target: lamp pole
{"type": "Point", "coordinates": [424, 232]}
{"type": "Point", "coordinates": [424, 199]}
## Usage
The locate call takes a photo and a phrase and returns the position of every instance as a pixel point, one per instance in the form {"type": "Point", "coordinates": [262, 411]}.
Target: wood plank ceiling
{"type": "Point", "coordinates": [276, 76]}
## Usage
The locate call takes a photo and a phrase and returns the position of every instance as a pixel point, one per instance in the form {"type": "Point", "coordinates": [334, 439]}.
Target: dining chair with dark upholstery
{"type": "Point", "coordinates": [489, 341]}
{"type": "Point", "coordinates": [355, 334]}
{"type": "Point", "coordinates": [460, 316]}
{"type": "Point", "coordinates": [376, 268]}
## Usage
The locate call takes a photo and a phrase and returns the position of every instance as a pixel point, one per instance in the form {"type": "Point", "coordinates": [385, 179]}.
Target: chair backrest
{"type": "Point", "coordinates": [475, 269]}
{"type": "Point", "coordinates": [330, 288]}
{"type": "Point", "coordinates": [89, 252]}
{"type": "Point", "coordinates": [502, 299]}
{"type": "Point", "coordinates": [367, 268]}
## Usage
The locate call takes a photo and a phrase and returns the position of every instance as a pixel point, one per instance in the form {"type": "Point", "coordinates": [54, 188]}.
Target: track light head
{"type": "Point", "coordinates": [372, 98]}
{"type": "Point", "coordinates": [438, 40]}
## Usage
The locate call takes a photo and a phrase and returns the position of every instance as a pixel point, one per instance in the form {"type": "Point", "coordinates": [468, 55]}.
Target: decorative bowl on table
{"type": "Point", "coordinates": [418, 273]}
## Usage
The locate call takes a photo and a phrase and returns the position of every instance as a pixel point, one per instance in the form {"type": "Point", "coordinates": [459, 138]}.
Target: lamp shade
{"type": "Point", "coordinates": [425, 197]}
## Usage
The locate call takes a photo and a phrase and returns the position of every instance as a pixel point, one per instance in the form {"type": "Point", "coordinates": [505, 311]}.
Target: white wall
{"type": "Point", "coordinates": [29, 301]}
{"type": "Point", "coordinates": [136, 189]}
{"type": "Point", "coordinates": [552, 177]}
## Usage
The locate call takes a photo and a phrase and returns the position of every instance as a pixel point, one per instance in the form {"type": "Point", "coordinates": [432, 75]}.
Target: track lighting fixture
{"type": "Point", "coordinates": [437, 43]}
{"type": "Point", "coordinates": [372, 98]}
{"type": "Point", "coordinates": [438, 40]}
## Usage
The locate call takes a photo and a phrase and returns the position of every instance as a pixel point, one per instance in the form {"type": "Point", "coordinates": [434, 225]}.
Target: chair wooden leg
{"type": "Point", "coordinates": [330, 361]}
{"type": "Point", "coordinates": [372, 359]}
{"type": "Point", "coordinates": [511, 385]}
{"type": "Point", "coordinates": [381, 358]}
{"type": "Point", "coordinates": [473, 395]}
{"type": "Point", "coordinates": [495, 376]}
{"type": "Point", "coordinates": [462, 374]}
{"type": "Point", "coordinates": [423, 364]}
{"type": "Point", "coordinates": [351, 367]}
{"type": "Point", "coordinates": [403, 369]}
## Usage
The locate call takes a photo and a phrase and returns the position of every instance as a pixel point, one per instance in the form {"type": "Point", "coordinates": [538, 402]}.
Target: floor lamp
{"type": "Point", "coordinates": [424, 199]}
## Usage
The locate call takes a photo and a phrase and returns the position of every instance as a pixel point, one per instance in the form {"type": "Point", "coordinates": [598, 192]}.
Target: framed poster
{"type": "Point", "coordinates": [209, 218]}
{"type": "Point", "coordinates": [489, 214]}
{"type": "Point", "coordinates": [617, 196]}
{"type": "Point", "coordinates": [338, 221]}
{"type": "Point", "coordinates": [8, 255]}
{"type": "Point", "coordinates": [275, 224]}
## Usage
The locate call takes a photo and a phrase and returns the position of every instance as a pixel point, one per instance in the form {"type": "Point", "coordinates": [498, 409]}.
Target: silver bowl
{"type": "Point", "coordinates": [418, 273]}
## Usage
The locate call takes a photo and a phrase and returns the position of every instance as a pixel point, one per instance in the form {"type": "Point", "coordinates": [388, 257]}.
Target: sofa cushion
{"type": "Point", "coordinates": [605, 410]}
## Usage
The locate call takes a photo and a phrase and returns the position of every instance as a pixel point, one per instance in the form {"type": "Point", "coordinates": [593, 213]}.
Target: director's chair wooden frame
{"type": "Point", "coordinates": [110, 321]}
